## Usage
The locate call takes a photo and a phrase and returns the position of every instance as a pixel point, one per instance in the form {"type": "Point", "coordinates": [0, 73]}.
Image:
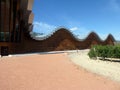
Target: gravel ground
{"type": "Point", "coordinates": [108, 69]}
{"type": "Point", "coordinates": [49, 72]}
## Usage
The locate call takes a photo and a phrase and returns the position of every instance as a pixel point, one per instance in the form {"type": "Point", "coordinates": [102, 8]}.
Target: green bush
{"type": "Point", "coordinates": [116, 52]}
{"type": "Point", "coordinates": [92, 53]}
{"type": "Point", "coordinates": [104, 51]}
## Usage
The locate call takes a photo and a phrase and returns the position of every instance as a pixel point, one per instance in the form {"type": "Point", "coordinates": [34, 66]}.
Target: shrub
{"type": "Point", "coordinates": [92, 54]}
{"type": "Point", "coordinates": [104, 51]}
{"type": "Point", "coordinates": [116, 52]}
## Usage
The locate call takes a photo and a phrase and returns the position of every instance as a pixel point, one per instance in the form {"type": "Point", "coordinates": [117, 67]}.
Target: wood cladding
{"type": "Point", "coordinates": [16, 25]}
{"type": "Point", "coordinates": [62, 39]}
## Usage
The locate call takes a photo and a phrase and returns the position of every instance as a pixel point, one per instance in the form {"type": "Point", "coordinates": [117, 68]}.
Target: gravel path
{"type": "Point", "coordinates": [49, 72]}
{"type": "Point", "coordinates": [107, 68]}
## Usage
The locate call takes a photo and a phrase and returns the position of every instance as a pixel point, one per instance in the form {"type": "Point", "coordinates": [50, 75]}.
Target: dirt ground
{"type": "Point", "coordinates": [109, 69]}
{"type": "Point", "coordinates": [49, 72]}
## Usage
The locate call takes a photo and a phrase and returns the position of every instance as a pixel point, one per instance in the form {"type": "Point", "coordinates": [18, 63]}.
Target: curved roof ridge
{"type": "Point", "coordinates": [73, 35]}
{"type": "Point", "coordinates": [110, 36]}
{"type": "Point", "coordinates": [95, 35]}
{"type": "Point", "coordinates": [53, 32]}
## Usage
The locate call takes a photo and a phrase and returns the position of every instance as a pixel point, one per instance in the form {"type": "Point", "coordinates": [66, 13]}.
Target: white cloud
{"type": "Point", "coordinates": [74, 28]}
{"type": "Point", "coordinates": [80, 32]}
{"type": "Point", "coordinates": [42, 27]}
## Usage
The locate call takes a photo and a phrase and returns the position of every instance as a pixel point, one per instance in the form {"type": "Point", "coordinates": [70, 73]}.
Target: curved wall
{"type": "Point", "coordinates": [61, 39]}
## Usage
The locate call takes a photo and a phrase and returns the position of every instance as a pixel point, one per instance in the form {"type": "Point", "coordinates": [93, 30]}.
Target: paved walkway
{"type": "Point", "coordinates": [48, 72]}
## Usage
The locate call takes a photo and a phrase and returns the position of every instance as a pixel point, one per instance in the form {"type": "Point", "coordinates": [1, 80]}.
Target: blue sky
{"type": "Point", "coordinates": [79, 16]}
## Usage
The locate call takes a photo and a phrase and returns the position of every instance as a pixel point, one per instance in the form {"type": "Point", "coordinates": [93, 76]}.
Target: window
{"type": "Point", "coordinates": [4, 36]}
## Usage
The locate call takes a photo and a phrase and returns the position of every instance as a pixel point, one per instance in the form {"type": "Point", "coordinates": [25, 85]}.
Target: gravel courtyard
{"type": "Point", "coordinates": [108, 69]}
{"type": "Point", "coordinates": [49, 72]}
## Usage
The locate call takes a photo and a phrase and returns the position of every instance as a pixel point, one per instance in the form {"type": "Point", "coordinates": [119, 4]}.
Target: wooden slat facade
{"type": "Point", "coordinates": [16, 23]}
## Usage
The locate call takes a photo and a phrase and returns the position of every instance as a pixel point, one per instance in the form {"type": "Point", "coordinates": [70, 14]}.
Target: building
{"type": "Point", "coordinates": [16, 19]}
{"type": "Point", "coordinates": [15, 15]}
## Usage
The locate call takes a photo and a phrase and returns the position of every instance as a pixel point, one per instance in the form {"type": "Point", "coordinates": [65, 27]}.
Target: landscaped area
{"type": "Point", "coordinates": [107, 52]}
{"type": "Point", "coordinates": [107, 67]}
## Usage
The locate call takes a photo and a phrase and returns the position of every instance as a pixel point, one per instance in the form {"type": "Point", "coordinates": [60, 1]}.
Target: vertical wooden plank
{"type": "Point", "coordinates": [11, 19]}
{"type": "Point", "coordinates": [7, 20]}
{"type": "Point", "coordinates": [14, 17]}
{"type": "Point", "coordinates": [0, 19]}
{"type": "Point", "coordinates": [4, 19]}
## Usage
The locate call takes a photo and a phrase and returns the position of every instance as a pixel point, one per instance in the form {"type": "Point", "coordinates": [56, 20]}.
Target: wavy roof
{"type": "Point", "coordinates": [91, 35]}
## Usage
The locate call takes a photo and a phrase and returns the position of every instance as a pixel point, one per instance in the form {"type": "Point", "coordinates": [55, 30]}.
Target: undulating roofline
{"type": "Point", "coordinates": [92, 33]}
